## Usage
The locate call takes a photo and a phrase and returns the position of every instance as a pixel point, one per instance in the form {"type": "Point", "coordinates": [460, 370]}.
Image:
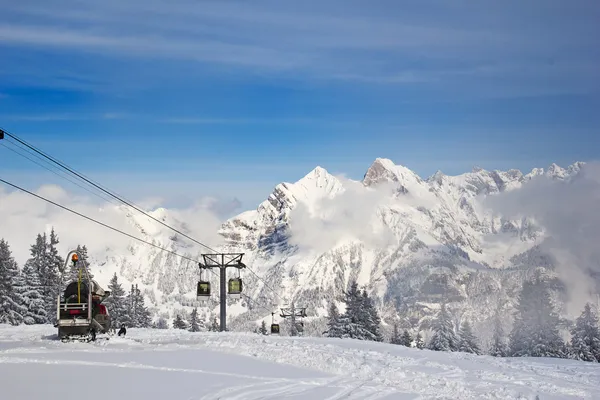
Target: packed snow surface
{"type": "Point", "coordinates": [175, 364]}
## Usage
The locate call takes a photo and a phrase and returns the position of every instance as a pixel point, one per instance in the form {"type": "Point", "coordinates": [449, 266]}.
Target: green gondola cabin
{"type": "Point", "coordinates": [274, 329]}
{"type": "Point", "coordinates": [235, 288]}
{"type": "Point", "coordinates": [203, 291]}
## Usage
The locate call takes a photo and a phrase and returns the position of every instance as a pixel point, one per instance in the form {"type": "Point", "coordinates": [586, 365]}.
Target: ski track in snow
{"type": "Point", "coordinates": [153, 364]}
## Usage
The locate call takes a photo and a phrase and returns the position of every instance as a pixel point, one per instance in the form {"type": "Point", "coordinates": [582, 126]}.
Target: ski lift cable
{"type": "Point", "coordinates": [250, 299]}
{"type": "Point", "coordinates": [96, 221]}
{"type": "Point", "coordinates": [265, 283]}
{"type": "Point", "coordinates": [121, 199]}
{"type": "Point", "coordinates": [116, 196]}
{"type": "Point", "coordinates": [54, 171]}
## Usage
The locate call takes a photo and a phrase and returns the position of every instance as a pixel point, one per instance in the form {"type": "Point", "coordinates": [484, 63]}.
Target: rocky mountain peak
{"type": "Point", "coordinates": [384, 170]}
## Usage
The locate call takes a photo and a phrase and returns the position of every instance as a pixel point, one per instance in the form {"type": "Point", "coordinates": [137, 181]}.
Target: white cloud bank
{"type": "Point", "coordinates": [570, 213]}
{"type": "Point", "coordinates": [350, 215]}
{"type": "Point", "coordinates": [23, 216]}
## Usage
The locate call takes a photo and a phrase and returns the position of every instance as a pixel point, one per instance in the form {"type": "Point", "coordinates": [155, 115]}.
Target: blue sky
{"type": "Point", "coordinates": [182, 99]}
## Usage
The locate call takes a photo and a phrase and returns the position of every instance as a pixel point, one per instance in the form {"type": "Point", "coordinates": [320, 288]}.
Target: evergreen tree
{"type": "Point", "coordinates": [162, 323]}
{"type": "Point", "coordinates": [179, 323]}
{"type": "Point", "coordinates": [444, 337]}
{"type": "Point", "coordinates": [468, 341]}
{"type": "Point", "coordinates": [31, 283]}
{"type": "Point", "coordinates": [406, 339]}
{"type": "Point", "coordinates": [194, 325]}
{"type": "Point", "coordinates": [143, 316]}
{"type": "Point", "coordinates": [263, 328]}
{"type": "Point", "coordinates": [498, 348]}
{"type": "Point", "coordinates": [334, 328]}
{"type": "Point", "coordinates": [116, 302]}
{"type": "Point", "coordinates": [12, 309]}
{"type": "Point", "coordinates": [535, 330]}
{"type": "Point", "coordinates": [419, 341]}
{"type": "Point", "coordinates": [215, 326]}
{"type": "Point", "coordinates": [360, 321]}
{"type": "Point", "coordinates": [136, 315]}
{"type": "Point", "coordinates": [129, 317]}
{"type": "Point", "coordinates": [50, 273]}
{"type": "Point", "coordinates": [396, 339]}
{"type": "Point", "coordinates": [31, 290]}
{"type": "Point", "coordinates": [372, 320]}
{"type": "Point", "coordinates": [585, 342]}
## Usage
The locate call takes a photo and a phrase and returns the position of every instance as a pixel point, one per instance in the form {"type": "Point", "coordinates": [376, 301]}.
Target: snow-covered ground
{"type": "Point", "coordinates": [172, 364]}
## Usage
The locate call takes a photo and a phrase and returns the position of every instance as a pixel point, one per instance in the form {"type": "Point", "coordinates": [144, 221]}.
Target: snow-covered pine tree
{"type": "Point", "coordinates": [498, 348]}
{"type": "Point", "coordinates": [162, 323]}
{"type": "Point", "coordinates": [32, 294]}
{"type": "Point", "coordinates": [351, 322]}
{"type": "Point", "coordinates": [21, 289]}
{"type": "Point", "coordinates": [396, 338]}
{"type": "Point", "coordinates": [47, 262]}
{"type": "Point", "coordinates": [334, 328]}
{"type": "Point", "coordinates": [12, 309]}
{"type": "Point", "coordinates": [194, 325]}
{"type": "Point", "coordinates": [467, 339]}
{"type": "Point", "coordinates": [585, 342]}
{"type": "Point", "coordinates": [360, 320]}
{"type": "Point", "coordinates": [263, 328]}
{"type": "Point", "coordinates": [372, 320]}
{"type": "Point", "coordinates": [116, 302]}
{"type": "Point", "coordinates": [535, 330]}
{"type": "Point", "coordinates": [406, 339]}
{"type": "Point", "coordinates": [31, 283]}
{"type": "Point", "coordinates": [419, 342]}
{"type": "Point", "coordinates": [215, 326]}
{"type": "Point", "coordinates": [54, 267]}
{"type": "Point", "coordinates": [444, 337]}
{"type": "Point", "coordinates": [143, 318]}
{"type": "Point", "coordinates": [179, 323]}
{"type": "Point", "coordinates": [130, 316]}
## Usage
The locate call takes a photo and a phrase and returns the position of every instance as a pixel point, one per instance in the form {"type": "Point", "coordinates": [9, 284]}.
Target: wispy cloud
{"type": "Point", "coordinates": [47, 117]}
{"type": "Point", "coordinates": [427, 43]}
{"type": "Point", "coordinates": [244, 121]}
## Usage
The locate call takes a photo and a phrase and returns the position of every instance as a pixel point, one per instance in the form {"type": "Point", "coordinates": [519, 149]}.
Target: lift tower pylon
{"type": "Point", "coordinates": [222, 261]}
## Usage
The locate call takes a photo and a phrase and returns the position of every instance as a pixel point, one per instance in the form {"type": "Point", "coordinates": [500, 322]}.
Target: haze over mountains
{"type": "Point", "coordinates": [469, 239]}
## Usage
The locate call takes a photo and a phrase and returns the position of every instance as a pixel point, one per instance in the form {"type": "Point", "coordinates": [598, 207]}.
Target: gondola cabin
{"type": "Point", "coordinates": [235, 288]}
{"type": "Point", "coordinates": [274, 329]}
{"type": "Point", "coordinates": [203, 292]}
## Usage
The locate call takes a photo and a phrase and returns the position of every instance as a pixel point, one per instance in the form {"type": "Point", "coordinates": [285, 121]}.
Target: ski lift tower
{"type": "Point", "coordinates": [294, 312]}
{"type": "Point", "coordinates": [222, 261]}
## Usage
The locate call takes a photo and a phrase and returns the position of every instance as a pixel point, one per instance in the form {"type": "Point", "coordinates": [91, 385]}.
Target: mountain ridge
{"type": "Point", "coordinates": [410, 241]}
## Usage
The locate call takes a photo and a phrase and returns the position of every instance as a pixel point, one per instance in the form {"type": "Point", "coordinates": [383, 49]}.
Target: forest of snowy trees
{"type": "Point", "coordinates": [535, 331]}
{"type": "Point", "coordinates": [28, 296]}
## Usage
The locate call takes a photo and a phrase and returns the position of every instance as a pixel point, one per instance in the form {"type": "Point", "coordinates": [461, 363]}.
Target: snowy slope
{"type": "Point", "coordinates": [151, 364]}
{"type": "Point", "coordinates": [410, 241]}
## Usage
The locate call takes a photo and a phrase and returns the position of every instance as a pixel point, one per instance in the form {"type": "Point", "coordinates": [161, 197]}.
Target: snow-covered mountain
{"type": "Point", "coordinates": [410, 241]}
